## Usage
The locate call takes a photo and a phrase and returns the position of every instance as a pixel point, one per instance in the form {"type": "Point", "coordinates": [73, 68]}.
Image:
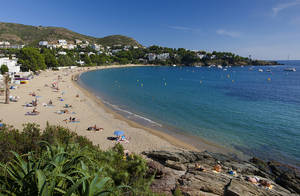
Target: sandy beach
{"type": "Point", "coordinates": [88, 109]}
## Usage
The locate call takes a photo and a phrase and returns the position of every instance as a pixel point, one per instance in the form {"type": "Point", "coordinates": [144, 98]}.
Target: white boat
{"type": "Point", "coordinates": [174, 65]}
{"type": "Point", "coordinates": [268, 70]}
{"type": "Point", "coordinates": [220, 67]}
{"type": "Point", "coordinates": [260, 70]}
{"type": "Point", "coordinates": [290, 69]}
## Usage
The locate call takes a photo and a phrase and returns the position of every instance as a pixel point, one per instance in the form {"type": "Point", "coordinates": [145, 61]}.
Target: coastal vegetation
{"type": "Point", "coordinates": [35, 59]}
{"type": "Point", "coordinates": [56, 161]}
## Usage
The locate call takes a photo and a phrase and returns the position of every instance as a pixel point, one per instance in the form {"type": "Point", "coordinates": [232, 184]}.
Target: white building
{"type": "Point", "coordinates": [163, 56]}
{"type": "Point", "coordinates": [43, 43]}
{"type": "Point", "coordinates": [80, 62]}
{"type": "Point", "coordinates": [4, 44]}
{"type": "Point", "coordinates": [62, 53]}
{"type": "Point", "coordinates": [151, 56]}
{"type": "Point", "coordinates": [12, 64]}
{"type": "Point", "coordinates": [91, 53]}
{"type": "Point", "coordinates": [17, 46]}
{"type": "Point", "coordinates": [71, 46]}
{"type": "Point", "coordinates": [77, 41]}
{"type": "Point", "coordinates": [116, 51]}
{"type": "Point", "coordinates": [96, 47]}
{"type": "Point", "coordinates": [200, 56]}
{"type": "Point", "coordinates": [52, 46]}
{"type": "Point", "coordinates": [62, 42]}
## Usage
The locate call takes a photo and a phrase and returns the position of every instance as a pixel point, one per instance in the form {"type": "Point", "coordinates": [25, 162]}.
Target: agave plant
{"type": "Point", "coordinates": [59, 170]}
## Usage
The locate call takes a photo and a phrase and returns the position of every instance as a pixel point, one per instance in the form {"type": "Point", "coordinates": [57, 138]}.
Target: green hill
{"type": "Point", "coordinates": [31, 35]}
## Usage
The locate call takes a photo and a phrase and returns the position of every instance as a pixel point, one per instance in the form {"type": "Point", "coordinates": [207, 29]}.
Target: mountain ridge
{"type": "Point", "coordinates": [30, 35]}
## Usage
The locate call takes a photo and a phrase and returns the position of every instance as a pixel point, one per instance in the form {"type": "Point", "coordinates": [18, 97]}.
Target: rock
{"type": "Point", "coordinates": [156, 169]}
{"type": "Point", "coordinates": [284, 175]}
{"type": "Point", "coordinates": [177, 169]}
{"type": "Point", "coordinates": [162, 156]}
{"type": "Point", "coordinates": [242, 188]}
{"type": "Point", "coordinates": [175, 165]}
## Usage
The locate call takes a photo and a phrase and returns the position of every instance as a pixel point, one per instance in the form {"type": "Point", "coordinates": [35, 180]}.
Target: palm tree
{"type": "Point", "coordinates": [6, 81]}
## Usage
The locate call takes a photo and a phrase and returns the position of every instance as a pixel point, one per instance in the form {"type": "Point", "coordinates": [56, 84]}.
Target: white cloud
{"type": "Point", "coordinates": [183, 28]}
{"type": "Point", "coordinates": [228, 33]}
{"type": "Point", "coordinates": [279, 7]}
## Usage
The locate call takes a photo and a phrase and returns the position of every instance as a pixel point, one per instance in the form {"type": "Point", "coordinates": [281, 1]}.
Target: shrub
{"type": "Point", "coordinates": [56, 161]}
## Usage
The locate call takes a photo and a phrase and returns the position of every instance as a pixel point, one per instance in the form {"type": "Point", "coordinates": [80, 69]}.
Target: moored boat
{"type": "Point", "coordinates": [290, 69]}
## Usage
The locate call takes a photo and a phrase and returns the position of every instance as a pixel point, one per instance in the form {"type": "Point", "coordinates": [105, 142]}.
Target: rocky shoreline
{"type": "Point", "coordinates": [205, 173]}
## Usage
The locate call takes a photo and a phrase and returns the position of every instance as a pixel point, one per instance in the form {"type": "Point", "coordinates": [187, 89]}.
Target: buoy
{"type": "Point", "coordinates": [232, 80]}
{"type": "Point", "coordinates": [228, 76]}
{"type": "Point", "coordinates": [165, 84]}
{"type": "Point", "coordinates": [269, 79]}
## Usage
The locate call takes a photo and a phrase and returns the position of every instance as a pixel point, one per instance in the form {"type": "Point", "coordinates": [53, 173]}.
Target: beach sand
{"type": "Point", "coordinates": [87, 108]}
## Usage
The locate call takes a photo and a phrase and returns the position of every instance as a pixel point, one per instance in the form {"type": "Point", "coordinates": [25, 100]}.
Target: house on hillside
{"type": "Point", "coordinates": [116, 51]}
{"type": "Point", "coordinates": [43, 43]}
{"type": "Point", "coordinates": [200, 56]}
{"type": "Point", "coordinates": [96, 47]}
{"type": "Point", "coordinates": [77, 41]}
{"type": "Point", "coordinates": [62, 53]}
{"type": "Point", "coordinates": [62, 42]}
{"type": "Point", "coordinates": [71, 46]}
{"type": "Point", "coordinates": [4, 44]}
{"type": "Point", "coordinates": [151, 56]}
{"type": "Point", "coordinates": [163, 56]}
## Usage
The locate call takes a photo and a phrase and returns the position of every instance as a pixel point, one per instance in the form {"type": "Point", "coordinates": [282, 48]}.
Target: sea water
{"type": "Point", "coordinates": [257, 113]}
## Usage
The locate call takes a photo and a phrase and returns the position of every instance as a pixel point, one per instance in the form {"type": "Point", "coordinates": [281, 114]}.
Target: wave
{"type": "Point", "coordinates": [130, 113]}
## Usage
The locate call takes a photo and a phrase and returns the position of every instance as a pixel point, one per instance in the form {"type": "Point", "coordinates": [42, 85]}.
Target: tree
{"type": "Point", "coordinates": [65, 60]}
{"type": "Point", "coordinates": [31, 59]}
{"type": "Point", "coordinates": [50, 59]}
{"type": "Point", "coordinates": [6, 81]}
{"type": "Point", "coordinates": [3, 69]}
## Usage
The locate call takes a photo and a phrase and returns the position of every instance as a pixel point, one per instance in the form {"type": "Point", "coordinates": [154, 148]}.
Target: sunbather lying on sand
{"type": "Point", "coordinates": [34, 112]}
{"type": "Point", "coordinates": [71, 119]}
{"type": "Point", "coordinates": [95, 128]}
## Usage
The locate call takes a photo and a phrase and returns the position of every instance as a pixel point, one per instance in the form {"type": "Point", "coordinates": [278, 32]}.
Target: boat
{"type": "Point", "coordinates": [174, 65]}
{"type": "Point", "coordinates": [290, 69]}
{"type": "Point", "coordinates": [220, 66]}
{"type": "Point", "coordinates": [260, 70]}
{"type": "Point", "coordinates": [268, 70]}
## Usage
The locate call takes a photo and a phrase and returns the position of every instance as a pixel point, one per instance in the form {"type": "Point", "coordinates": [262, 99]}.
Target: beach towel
{"type": "Point", "coordinates": [76, 121]}
{"type": "Point", "coordinates": [31, 114]}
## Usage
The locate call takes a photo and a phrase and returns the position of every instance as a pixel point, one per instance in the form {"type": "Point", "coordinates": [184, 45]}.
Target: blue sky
{"type": "Point", "coordinates": [266, 29]}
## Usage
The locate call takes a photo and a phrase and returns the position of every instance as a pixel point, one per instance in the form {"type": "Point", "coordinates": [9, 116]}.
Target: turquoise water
{"type": "Point", "coordinates": [255, 112]}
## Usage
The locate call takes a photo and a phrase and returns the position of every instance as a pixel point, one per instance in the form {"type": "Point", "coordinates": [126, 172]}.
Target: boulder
{"type": "Point", "coordinates": [175, 165]}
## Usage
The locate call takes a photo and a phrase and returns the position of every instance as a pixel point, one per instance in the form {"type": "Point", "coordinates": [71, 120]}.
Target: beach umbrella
{"type": "Point", "coordinates": [118, 133]}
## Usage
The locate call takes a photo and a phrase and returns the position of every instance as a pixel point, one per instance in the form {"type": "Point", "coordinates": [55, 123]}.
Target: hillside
{"type": "Point", "coordinates": [31, 35]}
